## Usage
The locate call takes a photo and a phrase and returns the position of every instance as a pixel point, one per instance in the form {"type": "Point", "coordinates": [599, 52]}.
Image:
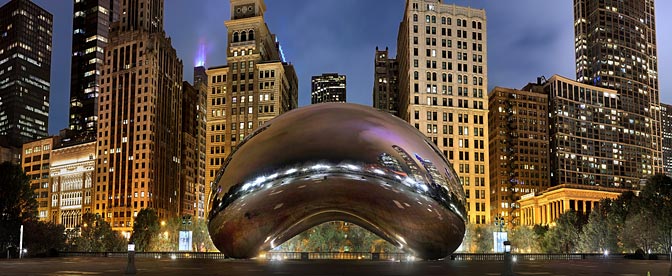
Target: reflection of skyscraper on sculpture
{"type": "Point", "coordinates": [412, 165]}
{"type": "Point", "coordinates": [390, 162]}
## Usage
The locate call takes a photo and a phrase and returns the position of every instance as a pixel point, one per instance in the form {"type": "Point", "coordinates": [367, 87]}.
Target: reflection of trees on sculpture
{"type": "Point", "coordinates": [337, 236]}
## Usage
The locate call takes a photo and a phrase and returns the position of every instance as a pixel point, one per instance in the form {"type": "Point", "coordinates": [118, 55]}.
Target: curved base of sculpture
{"type": "Point", "coordinates": [337, 162]}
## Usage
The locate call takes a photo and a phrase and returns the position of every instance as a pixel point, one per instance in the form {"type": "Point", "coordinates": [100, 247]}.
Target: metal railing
{"type": "Point", "coordinates": [353, 256]}
{"type": "Point", "coordinates": [148, 255]}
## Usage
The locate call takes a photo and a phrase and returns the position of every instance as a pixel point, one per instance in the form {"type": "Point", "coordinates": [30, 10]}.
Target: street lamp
{"type": "Point", "coordinates": [499, 221]}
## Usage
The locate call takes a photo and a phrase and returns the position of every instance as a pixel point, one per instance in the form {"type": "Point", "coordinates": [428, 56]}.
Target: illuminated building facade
{"type": "Point", "coordinates": [25, 72]}
{"type": "Point", "coordinates": [36, 161]}
{"type": "Point", "coordinates": [519, 148]}
{"type": "Point", "coordinates": [328, 88]}
{"type": "Point", "coordinates": [666, 122]}
{"type": "Point", "coordinates": [91, 24]}
{"type": "Point", "coordinates": [193, 148]}
{"type": "Point", "coordinates": [543, 208]}
{"type": "Point", "coordinates": [71, 181]}
{"type": "Point", "coordinates": [139, 119]}
{"type": "Point", "coordinates": [442, 55]}
{"type": "Point", "coordinates": [385, 83]}
{"type": "Point", "coordinates": [616, 49]}
{"type": "Point", "coordinates": [585, 135]}
{"type": "Point", "coordinates": [201, 86]}
{"type": "Point", "coordinates": [256, 85]}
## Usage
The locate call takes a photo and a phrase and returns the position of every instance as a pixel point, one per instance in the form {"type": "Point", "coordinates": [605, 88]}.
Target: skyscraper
{"type": "Point", "coordinates": [666, 122]}
{"type": "Point", "coordinates": [201, 86]}
{"type": "Point", "coordinates": [442, 54]}
{"type": "Point", "coordinates": [518, 139]}
{"type": "Point", "coordinates": [385, 84]}
{"type": "Point", "coordinates": [328, 88]}
{"type": "Point", "coordinates": [616, 49]}
{"type": "Point", "coordinates": [256, 85]}
{"type": "Point", "coordinates": [585, 130]}
{"type": "Point", "coordinates": [139, 119]}
{"type": "Point", "coordinates": [91, 25]}
{"type": "Point", "coordinates": [25, 60]}
{"type": "Point", "coordinates": [193, 148]}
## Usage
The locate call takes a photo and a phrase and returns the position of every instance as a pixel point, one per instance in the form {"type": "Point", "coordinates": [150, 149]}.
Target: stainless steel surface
{"type": "Point", "coordinates": [337, 161]}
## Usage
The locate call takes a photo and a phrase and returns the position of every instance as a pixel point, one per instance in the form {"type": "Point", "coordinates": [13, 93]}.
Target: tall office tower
{"type": "Point", "coordinates": [256, 85]}
{"type": "Point", "coordinates": [616, 49]}
{"type": "Point", "coordinates": [36, 162]}
{"type": "Point", "coordinates": [193, 134]}
{"type": "Point", "coordinates": [442, 54]}
{"type": "Point", "coordinates": [25, 63]}
{"type": "Point", "coordinates": [139, 119]}
{"type": "Point", "coordinates": [518, 138]}
{"type": "Point", "coordinates": [385, 84]}
{"type": "Point", "coordinates": [666, 122]}
{"type": "Point", "coordinates": [328, 88]}
{"type": "Point", "coordinates": [91, 25]}
{"type": "Point", "coordinates": [201, 86]}
{"type": "Point", "coordinates": [71, 178]}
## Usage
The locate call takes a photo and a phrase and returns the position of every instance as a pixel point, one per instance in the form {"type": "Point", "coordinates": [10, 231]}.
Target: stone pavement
{"type": "Point", "coordinates": [193, 267]}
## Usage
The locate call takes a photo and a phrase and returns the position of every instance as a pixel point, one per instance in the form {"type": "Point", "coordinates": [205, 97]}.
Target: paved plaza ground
{"type": "Point", "coordinates": [193, 267]}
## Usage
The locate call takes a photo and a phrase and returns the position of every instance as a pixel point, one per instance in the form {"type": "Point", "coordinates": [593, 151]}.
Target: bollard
{"type": "Point", "coordinates": [130, 266]}
{"type": "Point", "coordinates": [508, 260]}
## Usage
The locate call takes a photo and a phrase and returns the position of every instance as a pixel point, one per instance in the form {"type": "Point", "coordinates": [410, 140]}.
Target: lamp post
{"type": "Point", "coordinates": [499, 221]}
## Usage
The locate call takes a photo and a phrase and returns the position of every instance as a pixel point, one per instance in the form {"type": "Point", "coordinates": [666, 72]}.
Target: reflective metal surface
{"type": "Point", "coordinates": [337, 161]}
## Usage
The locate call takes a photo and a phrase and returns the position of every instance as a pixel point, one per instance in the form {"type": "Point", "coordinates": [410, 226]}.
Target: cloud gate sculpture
{"type": "Point", "coordinates": [337, 161]}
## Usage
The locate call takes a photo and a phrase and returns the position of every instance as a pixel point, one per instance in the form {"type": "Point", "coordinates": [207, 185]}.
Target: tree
{"type": "Point", "coordinates": [96, 235]}
{"type": "Point", "coordinates": [17, 203]}
{"type": "Point", "coordinates": [145, 228]}
{"type": "Point", "coordinates": [524, 239]}
{"type": "Point", "coordinates": [640, 231]}
{"type": "Point", "coordinates": [201, 236]}
{"type": "Point", "coordinates": [600, 233]}
{"type": "Point", "coordinates": [43, 238]}
{"type": "Point", "coordinates": [656, 198]}
{"type": "Point", "coordinates": [564, 236]}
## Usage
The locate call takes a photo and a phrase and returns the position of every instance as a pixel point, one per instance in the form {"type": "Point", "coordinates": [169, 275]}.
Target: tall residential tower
{"type": "Point", "coordinates": [442, 54]}
{"type": "Point", "coordinates": [616, 49]}
{"type": "Point", "coordinates": [518, 138]}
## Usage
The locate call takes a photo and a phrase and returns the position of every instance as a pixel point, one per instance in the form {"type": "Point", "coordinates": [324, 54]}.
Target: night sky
{"type": "Point", "coordinates": [526, 39]}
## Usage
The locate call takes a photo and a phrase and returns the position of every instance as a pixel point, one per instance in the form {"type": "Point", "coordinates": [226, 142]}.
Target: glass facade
{"type": "Point", "coordinates": [25, 72]}
{"type": "Point", "coordinates": [328, 88]}
{"type": "Point", "coordinates": [90, 24]}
